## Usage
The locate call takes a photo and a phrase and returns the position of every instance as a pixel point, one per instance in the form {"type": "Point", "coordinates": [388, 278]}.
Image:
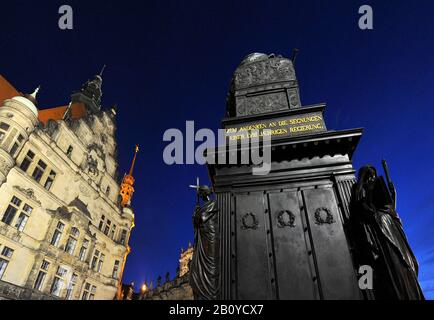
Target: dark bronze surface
{"type": "Point", "coordinates": [263, 83]}
{"type": "Point", "coordinates": [289, 234]}
{"type": "Point", "coordinates": [203, 266]}
{"type": "Point", "coordinates": [380, 239]}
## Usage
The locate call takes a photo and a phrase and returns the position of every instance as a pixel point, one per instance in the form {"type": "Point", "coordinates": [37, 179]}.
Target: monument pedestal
{"type": "Point", "coordinates": [283, 235]}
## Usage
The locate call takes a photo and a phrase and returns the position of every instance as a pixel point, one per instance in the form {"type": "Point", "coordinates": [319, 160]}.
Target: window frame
{"type": "Point", "coordinates": [39, 170]}
{"type": "Point", "coordinates": [4, 131]}
{"type": "Point", "coordinates": [42, 274]}
{"type": "Point", "coordinates": [58, 232]}
{"type": "Point", "coordinates": [27, 161]}
{"type": "Point", "coordinates": [83, 249]}
{"type": "Point", "coordinates": [58, 281]}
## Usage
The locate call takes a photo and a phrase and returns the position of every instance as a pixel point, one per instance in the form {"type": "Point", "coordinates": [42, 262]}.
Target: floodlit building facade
{"type": "Point", "coordinates": [65, 218]}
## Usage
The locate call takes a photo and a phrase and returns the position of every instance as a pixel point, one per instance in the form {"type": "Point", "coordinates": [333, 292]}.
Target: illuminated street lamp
{"type": "Point", "coordinates": [144, 287]}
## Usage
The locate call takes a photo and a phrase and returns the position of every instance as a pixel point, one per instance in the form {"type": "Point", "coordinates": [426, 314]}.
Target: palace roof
{"type": "Point", "coordinates": [8, 91]}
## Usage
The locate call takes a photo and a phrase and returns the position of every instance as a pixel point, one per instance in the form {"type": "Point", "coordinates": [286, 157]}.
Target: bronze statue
{"type": "Point", "coordinates": [380, 240]}
{"type": "Point", "coordinates": [203, 269]}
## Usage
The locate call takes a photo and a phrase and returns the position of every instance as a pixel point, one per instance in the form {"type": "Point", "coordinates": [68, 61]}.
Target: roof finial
{"type": "Point", "coordinates": [136, 150]}
{"type": "Point", "coordinates": [35, 92]}
{"type": "Point", "coordinates": [102, 71]}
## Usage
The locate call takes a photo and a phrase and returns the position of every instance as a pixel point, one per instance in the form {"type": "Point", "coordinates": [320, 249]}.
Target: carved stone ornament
{"type": "Point", "coordinates": [286, 218]}
{"type": "Point", "coordinates": [104, 138]}
{"type": "Point", "coordinates": [261, 104]}
{"type": "Point", "coordinates": [98, 149]}
{"type": "Point", "coordinates": [91, 166]}
{"type": "Point", "coordinates": [61, 212]}
{"type": "Point", "coordinates": [29, 193]}
{"type": "Point", "coordinates": [323, 216]}
{"type": "Point", "coordinates": [249, 221]}
{"type": "Point", "coordinates": [263, 72]}
{"type": "Point", "coordinates": [51, 127]}
{"type": "Point", "coordinates": [4, 165]}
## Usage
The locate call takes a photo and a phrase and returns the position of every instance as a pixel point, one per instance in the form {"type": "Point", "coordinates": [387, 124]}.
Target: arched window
{"type": "Point", "coordinates": [75, 232]}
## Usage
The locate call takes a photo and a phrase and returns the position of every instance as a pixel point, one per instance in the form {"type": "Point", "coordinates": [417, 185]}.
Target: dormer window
{"type": "Point", "coordinates": [107, 191]}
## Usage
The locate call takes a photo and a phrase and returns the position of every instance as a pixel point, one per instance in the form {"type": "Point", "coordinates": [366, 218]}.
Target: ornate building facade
{"type": "Point", "coordinates": [64, 222]}
{"type": "Point", "coordinates": [172, 289]}
{"type": "Point", "coordinates": [184, 260]}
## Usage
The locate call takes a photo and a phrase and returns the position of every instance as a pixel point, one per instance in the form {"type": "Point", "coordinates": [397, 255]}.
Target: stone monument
{"type": "Point", "coordinates": [283, 235]}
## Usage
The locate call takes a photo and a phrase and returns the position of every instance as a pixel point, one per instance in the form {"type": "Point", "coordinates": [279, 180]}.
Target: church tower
{"type": "Point", "coordinates": [127, 189]}
{"type": "Point", "coordinates": [90, 94]}
{"type": "Point", "coordinates": [124, 199]}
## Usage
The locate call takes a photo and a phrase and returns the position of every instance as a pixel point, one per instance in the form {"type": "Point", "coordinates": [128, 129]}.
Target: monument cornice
{"type": "Point", "coordinates": [319, 144]}
{"type": "Point", "coordinates": [318, 107]}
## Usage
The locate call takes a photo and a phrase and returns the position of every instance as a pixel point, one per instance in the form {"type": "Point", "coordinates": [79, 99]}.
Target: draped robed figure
{"type": "Point", "coordinates": [380, 240]}
{"type": "Point", "coordinates": [203, 269]}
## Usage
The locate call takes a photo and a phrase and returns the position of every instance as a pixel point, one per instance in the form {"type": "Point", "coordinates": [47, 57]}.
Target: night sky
{"type": "Point", "coordinates": [168, 62]}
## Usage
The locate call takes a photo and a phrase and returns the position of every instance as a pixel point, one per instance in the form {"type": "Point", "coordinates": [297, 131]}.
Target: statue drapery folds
{"type": "Point", "coordinates": [380, 240]}
{"type": "Point", "coordinates": [203, 268]}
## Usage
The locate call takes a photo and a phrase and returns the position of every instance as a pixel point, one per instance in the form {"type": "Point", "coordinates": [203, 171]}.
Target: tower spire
{"type": "Point", "coordinates": [35, 92]}
{"type": "Point", "coordinates": [127, 189]}
{"type": "Point", "coordinates": [32, 96]}
{"type": "Point", "coordinates": [102, 70]}
{"type": "Point", "coordinates": [90, 93]}
{"type": "Point", "coordinates": [134, 160]}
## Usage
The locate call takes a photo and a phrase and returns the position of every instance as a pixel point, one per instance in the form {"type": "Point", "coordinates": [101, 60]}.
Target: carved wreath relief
{"type": "Point", "coordinates": [323, 216]}
{"type": "Point", "coordinates": [249, 221]}
{"type": "Point", "coordinates": [285, 218]}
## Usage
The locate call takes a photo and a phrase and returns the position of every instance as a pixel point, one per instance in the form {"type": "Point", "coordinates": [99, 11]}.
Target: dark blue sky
{"type": "Point", "coordinates": [168, 62]}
